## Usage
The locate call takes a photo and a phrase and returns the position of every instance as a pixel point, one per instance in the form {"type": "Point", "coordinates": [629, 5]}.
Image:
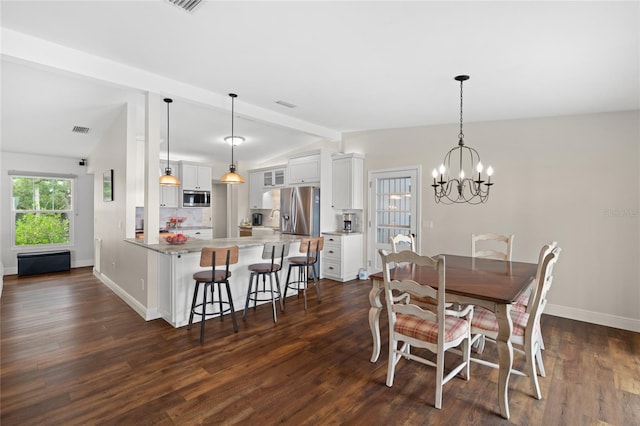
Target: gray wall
{"type": "Point", "coordinates": [572, 179]}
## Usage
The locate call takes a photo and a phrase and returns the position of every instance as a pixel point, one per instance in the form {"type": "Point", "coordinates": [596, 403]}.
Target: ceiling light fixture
{"type": "Point", "coordinates": [232, 177]}
{"type": "Point", "coordinates": [467, 190]}
{"type": "Point", "coordinates": [167, 179]}
{"type": "Point", "coordinates": [237, 140]}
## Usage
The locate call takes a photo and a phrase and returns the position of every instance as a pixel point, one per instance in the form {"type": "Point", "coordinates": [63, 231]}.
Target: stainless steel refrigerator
{"type": "Point", "coordinates": [300, 210]}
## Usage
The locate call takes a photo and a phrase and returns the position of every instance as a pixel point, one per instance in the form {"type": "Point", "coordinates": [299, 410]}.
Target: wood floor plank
{"type": "Point", "coordinates": [74, 353]}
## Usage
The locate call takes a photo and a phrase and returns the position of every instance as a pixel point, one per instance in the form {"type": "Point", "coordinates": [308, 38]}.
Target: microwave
{"type": "Point", "coordinates": [196, 198]}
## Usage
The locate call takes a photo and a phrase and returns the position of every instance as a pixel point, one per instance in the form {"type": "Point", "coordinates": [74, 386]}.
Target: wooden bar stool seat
{"type": "Point", "coordinates": [276, 253]}
{"type": "Point", "coordinates": [212, 257]}
{"type": "Point", "coordinates": [312, 247]}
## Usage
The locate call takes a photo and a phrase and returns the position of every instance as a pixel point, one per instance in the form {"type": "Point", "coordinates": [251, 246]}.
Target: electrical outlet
{"type": "Point", "coordinates": [142, 283]}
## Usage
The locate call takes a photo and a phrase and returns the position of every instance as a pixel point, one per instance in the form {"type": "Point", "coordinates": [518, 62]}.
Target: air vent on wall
{"type": "Point", "coordinates": [286, 104]}
{"type": "Point", "coordinates": [187, 5]}
{"type": "Point", "coordinates": [80, 129]}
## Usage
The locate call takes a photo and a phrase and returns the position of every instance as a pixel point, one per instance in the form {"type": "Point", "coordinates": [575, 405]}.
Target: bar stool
{"type": "Point", "coordinates": [312, 247]}
{"type": "Point", "coordinates": [271, 251]}
{"type": "Point", "coordinates": [213, 257]}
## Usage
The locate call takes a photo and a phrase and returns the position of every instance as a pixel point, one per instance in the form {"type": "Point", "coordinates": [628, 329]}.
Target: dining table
{"type": "Point", "coordinates": [492, 284]}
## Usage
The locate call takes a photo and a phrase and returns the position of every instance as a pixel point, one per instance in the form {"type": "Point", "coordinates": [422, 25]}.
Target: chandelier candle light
{"type": "Point", "coordinates": [167, 179]}
{"type": "Point", "coordinates": [232, 177]}
{"type": "Point", "coordinates": [467, 190]}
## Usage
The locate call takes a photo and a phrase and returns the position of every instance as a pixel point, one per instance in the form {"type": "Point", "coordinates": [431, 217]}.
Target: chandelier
{"type": "Point", "coordinates": [455, 185]}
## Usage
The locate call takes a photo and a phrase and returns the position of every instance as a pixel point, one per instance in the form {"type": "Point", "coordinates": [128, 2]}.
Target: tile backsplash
{"type": "Point", "coordinates": [195, 216]}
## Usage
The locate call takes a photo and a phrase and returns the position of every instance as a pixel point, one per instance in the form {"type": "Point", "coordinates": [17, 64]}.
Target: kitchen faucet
{"type": "Point", "coordinates": [273, 212]}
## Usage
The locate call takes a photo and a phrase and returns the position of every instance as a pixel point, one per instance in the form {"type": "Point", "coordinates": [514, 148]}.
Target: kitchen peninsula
{"type": "Point", "coordinates": [177, 264]}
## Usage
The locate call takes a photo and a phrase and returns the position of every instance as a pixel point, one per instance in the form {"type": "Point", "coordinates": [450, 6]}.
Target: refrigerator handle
{"type": "Point", "coordinates": [294, 212]}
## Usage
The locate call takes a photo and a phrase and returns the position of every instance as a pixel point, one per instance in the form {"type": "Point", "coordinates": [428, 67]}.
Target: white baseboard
{"type": "Point", "coordinates": [599, 318]}
{"type": "Point", "coordinates": [147, 314]}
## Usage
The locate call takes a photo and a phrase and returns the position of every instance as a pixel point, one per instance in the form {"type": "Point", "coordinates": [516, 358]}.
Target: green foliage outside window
{"type": "Point", "coordinates": [42, 228]}
{"type": "Point", "coordinates": [42, 208]}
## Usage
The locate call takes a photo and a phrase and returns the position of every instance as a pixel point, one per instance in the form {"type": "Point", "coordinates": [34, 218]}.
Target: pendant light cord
{"type": "Point", "coordinates": [233, 140]}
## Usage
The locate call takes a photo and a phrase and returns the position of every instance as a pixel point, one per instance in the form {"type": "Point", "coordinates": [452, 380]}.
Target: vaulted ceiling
{"type": "Point", "coordinates": [346, 66]}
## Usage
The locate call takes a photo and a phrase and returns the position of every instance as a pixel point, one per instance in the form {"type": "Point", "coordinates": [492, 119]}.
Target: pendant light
{"type": "Point", "coordinates": [455, 186]}
{"type": "Point", "coordinates": [167, 179]}
{"type": "Point", "coordinates": [232, 177]}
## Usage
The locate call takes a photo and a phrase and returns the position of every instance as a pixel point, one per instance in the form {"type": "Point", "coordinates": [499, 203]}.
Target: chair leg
{"type": "Point", "coordinates": [530, 367]}
{"type": "Point", "coordinates": [246, 303]}
{"type": "Point", "coordinates": [233, 312]}
{"type": "Point", "coordinates": [393, 360]}
{"type": "Point", "coordinates": [304, 277]}
{"type": "Point", "coordinates": [540, 363]}
{"type": "Point", "coordinates": [279, 291]}
{"type": "Point", "coordinates": [316, 282]}
{"type": "Point", "coordinates": [204, 310]}
{"type": "Point", "coordinates": [439, 379]}
{"type": "Point", "coordinates": [286, 287]}
{"type": "Point", "coordinates": [193, 304]}
{"type": "Point", "coordinates": [466, 357]}
{"type": "Point", "coordinates": [273, 298]}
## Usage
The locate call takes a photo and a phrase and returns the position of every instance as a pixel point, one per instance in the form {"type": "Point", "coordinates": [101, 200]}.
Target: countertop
{"type": "Point", "coordinates": [195, 245]}
{"type": "Point", "coordinates": [342, 233]}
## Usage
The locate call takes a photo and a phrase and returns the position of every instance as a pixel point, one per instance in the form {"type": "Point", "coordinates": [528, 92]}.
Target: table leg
{"type": "Point", "coordinates": [374, 317]}
{"type": "Point", "coordinates": [505, 353]}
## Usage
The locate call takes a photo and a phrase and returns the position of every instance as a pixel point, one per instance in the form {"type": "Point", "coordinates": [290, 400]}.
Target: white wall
{"type": "Point", "coordinates": [123, 266]}
{"type": "Point", "coordinates": [82, 246]}
{"type": "Point", "coordinates": [571, 179]}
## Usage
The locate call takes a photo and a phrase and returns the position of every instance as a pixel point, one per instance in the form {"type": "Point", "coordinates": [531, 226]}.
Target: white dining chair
{"type": "Point", "coordinates": [490, 246]}
{"type": "Point", "coordinates": [410, 325]}
{"type": "Point", "coordinates": [402, 242]}
{"type": "Point", "coordinates": [525, 336]}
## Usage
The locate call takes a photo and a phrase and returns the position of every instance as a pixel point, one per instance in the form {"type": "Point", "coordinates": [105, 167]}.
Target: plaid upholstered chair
{"type": "Point", "coordinates": [437, 330]}
{"type": "Point", "coordinates": [526, 337]}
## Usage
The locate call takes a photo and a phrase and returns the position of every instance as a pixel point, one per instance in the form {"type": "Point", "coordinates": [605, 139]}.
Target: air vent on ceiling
{"type": "Point", "coordinates": [187, 5]}
{"type": "Point", "coordinates": [286, 104]}
{"type": "Point", "coordinates": [80, 129]}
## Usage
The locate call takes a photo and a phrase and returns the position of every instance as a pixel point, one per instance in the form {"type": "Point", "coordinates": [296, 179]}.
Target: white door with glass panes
{"type": "Point", "coordinates": [393, 209]}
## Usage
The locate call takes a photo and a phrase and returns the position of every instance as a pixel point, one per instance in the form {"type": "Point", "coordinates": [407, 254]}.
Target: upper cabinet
{"type": "Point", "coordinates": [263, 184]}
{"type": "Point", "coordinates": [196, 177]}
{"type": "Point", "coordinates": [169, 194]}
{"type": "Point", "coordinates": [255, 190]}
{"type": "Point", "coordinates": [347, 186]}
{"type": "Point", "coordinates": [304, 169]}
{"type": "Point", "coordinates": [275, 177]}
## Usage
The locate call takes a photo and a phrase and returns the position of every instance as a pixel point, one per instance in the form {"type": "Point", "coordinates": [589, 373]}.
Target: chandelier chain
{"type": "Point", "coordinates": [461, 134]}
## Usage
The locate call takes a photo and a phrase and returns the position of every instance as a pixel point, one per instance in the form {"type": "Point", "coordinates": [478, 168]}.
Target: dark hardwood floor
{"type": "Point", "coordinates": [74, 353]}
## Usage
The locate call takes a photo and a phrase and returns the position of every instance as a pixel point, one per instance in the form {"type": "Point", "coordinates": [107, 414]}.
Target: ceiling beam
{"type": "Point", "coordinates": [28, 49]}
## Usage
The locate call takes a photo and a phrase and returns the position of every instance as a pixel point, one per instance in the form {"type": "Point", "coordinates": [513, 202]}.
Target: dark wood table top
{"type": "Point", "coordinates": [487, 279]}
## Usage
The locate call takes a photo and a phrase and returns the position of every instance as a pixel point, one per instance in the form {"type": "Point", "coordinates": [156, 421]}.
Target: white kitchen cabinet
{"type": "Point", "coordinates": [169, 196]}
{"type": "Point", "coordinates": [342, 256]}
{"type": "Point", "coordinates": [196, 177]}
{"type": "Point", "coordinates": [255, 190]}
{"type": "Point", "coordinates": [202, 233]}
{"type": "Point", "coordinates": [347, 179]}
{"type": "Point", "coordinates": [273, 178]}
{"type": "Point", "coordinates": [304, 169]}
{"type": "Point", "coordinates": [263, 184]}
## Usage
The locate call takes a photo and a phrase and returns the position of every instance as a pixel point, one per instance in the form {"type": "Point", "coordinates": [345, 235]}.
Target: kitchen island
{"type": "Point", "coordinates": [176, 265]}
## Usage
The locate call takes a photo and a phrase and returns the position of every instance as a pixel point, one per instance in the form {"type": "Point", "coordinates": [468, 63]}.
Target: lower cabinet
{"type": "Point", "coordinates": [203, 234]}
{"type": "Point", "coordinates": [342, 256]}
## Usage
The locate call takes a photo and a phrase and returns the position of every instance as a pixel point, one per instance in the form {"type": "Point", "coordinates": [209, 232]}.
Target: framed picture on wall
{"type": "Point", "coordinates": [107, 185]}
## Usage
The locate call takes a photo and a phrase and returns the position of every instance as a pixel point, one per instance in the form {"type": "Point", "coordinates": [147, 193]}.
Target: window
{"type": "Point", "coordinates": [394, 201]}
{"type": "Point", "coordinates": [42, 210]}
